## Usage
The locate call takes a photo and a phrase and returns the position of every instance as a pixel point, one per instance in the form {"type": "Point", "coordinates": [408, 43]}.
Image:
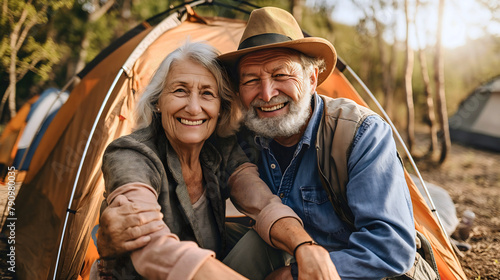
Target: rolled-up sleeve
{"type": "Point", "coordinates": [251, 196]}
{"type": "Point", "coordinates": [165, 256]}
{"type": "Point", "coordinates": [384, 241]}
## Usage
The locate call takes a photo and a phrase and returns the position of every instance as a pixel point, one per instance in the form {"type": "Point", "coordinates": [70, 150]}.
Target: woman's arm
{"type": "Point", "coordinates": [165, 256]}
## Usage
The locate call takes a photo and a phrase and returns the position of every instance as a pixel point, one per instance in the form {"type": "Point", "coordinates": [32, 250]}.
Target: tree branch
{"type": "Point", "coordinates": [101, 11]}
{"type": "Point", "coordinates": [28, 27]}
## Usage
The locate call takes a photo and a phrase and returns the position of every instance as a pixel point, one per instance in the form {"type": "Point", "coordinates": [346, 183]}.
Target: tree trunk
{"type": "Point", "coordinates": [440, 93]}
{"type": "Point", "coordinates": [82, 56]}
{"type": "Point", "coordinates": [410, 116]}
{"type": "Point", "coordinates": [14, 36]}
{"type": "Point", "coordinates": [431, 117]}
{"type": "Point", "coordinates": [93, 17]}
{"type": "Point", "coordinates": [4, 99]}
{"type": "Point", "coordinates": [296, 8]}
{"type": "Point", "coordinates": [387, 84]}
{"type": "Point", "coordinates": [365, 67]}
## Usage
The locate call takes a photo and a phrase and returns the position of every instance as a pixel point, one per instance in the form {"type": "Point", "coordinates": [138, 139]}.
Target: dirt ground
{"type": "Point", "coordinates": [472, 178]}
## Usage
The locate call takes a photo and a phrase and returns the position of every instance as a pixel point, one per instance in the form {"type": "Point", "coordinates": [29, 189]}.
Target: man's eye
{"type": "Point", "coordinates": [281, 76]}
{"type": "Point", "coordinates": [250, 82]}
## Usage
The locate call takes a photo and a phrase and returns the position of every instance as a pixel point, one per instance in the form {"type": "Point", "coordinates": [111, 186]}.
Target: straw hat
{"type": "Point", "coordinates": [272, 27]}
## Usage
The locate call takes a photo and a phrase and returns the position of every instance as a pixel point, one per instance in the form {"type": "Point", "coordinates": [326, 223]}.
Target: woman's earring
{"type": "Point", "coordinates": [157, 109]}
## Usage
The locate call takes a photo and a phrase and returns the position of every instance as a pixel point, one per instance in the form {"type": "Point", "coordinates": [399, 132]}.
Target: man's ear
{"type": "Point", "coordinates": [313, 79]}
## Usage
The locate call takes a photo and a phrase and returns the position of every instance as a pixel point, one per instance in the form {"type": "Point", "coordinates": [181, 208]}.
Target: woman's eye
{"type": "Point", "coordinates": [208, 93]}
{"type": "Point", "coordinates": [179, 90]}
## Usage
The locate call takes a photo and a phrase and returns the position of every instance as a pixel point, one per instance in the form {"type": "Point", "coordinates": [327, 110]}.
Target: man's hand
{"type": "Point", "coordinates": [124, 226]}
{"type": "Point", "coordinates": [314, 262]}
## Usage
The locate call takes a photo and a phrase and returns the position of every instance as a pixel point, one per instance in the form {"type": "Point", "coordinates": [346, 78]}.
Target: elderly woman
{"type": "Point", "coordinates": [179, 159]}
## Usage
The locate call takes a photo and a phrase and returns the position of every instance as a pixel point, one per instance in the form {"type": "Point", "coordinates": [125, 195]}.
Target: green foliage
{"type": "Point", "coordinates": [26, 45]}
{"type": "Point", "coordinates": [468, 66]}
{"type": "Point", "coordinates": [149, 8]}
{"type": "Point", "coordinates": [55, 41]}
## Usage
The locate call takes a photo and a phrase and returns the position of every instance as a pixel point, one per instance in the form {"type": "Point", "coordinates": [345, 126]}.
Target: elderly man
{"type": "Point", "coordinates": [305, 144]}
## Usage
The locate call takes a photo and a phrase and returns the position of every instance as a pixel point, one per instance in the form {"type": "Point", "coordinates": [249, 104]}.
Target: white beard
{"type": "Point", "coordinates": [283, 125]}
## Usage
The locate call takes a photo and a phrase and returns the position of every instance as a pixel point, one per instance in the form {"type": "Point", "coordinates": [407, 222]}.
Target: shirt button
{"type": "Point", "coordinates": [282, 195]}
{"type": "Point", "coordinates": [273, 166]}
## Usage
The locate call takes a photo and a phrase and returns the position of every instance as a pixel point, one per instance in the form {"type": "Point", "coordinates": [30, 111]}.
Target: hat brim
{"type": "Point", "coordinates": [311, 46]}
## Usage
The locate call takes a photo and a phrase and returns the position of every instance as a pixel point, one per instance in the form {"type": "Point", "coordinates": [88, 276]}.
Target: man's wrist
{"type": "Point", "coordinates": [309, 242]}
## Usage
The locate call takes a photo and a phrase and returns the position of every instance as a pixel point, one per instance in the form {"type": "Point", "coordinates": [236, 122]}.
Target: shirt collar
{"type": "Point", "coordinates": [310, 132]}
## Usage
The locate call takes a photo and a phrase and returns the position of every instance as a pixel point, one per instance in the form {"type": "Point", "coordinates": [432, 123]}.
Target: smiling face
{"type": "Point", "coordinates": [189, 103]}
{"type": "Point", "coordinates": [276, 92]}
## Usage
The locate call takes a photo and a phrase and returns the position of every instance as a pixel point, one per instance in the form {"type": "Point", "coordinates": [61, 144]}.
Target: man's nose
{"type": "Point", "coordinates": [268, 90]}
{"type": "Point", "coordinates": [193, 106]}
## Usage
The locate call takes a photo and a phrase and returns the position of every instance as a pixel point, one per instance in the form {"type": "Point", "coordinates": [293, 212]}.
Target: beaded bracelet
{"type": "Point", "coordinates": [310, 242]}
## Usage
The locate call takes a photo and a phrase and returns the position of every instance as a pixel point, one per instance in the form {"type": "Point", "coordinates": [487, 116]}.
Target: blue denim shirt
{"type": "Point", "coordinates": [383, 244]}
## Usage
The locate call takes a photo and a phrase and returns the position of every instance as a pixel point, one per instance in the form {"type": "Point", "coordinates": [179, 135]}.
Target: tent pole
{"type": "Point", "coordinates": [400, 140]}
{"type": "Point", "coordinates": [80, 166]}
{"type": "Point", "coordinates": [167, 24]}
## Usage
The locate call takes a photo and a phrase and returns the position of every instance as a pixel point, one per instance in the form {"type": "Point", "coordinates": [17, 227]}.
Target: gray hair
{"type": "Point", "coordinates": [206, 56]}
{"type": "Point", "coordinates": [309, 63]}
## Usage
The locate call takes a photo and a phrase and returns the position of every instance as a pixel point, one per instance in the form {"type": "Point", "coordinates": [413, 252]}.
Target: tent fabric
{"type": "Point", "coordinates": [443, 202]}
{"type": "Point", "coordinates": [47, 192]}
{"type": "Point", "coordinates": [476, 121]}
{"type": "Point", "coordinates": [11, 135]}
{"type": "Point", "coordinates": [41, 114]}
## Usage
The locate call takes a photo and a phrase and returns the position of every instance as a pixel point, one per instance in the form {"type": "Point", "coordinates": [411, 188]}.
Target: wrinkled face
{"type": "Point", "coordinates": [189, 103]}
{"type": "Point", "coordinates": [276, 92]}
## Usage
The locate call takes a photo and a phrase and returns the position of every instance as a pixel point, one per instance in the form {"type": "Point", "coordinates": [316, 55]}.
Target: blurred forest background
{"type": "Point", "coordinates": [421, 58]}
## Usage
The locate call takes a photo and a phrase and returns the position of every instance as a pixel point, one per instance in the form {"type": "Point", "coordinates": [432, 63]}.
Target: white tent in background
{"type": "Point", "coordinates": [477, 120]}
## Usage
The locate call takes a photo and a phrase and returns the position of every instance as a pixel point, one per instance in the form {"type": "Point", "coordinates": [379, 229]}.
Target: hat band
{"type": "Point", "coordinates": [263, 39]}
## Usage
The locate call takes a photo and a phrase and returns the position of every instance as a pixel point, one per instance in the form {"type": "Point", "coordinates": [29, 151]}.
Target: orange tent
{"type": "Point", "coordinates": [60, 198]}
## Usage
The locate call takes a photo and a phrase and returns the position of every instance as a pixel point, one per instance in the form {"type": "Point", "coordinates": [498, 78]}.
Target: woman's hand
{"type": "Point", "coordinates": [124, 226]}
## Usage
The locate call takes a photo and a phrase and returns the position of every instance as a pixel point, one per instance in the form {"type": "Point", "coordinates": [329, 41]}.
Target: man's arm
{"type": "Point", "coordinates": [277, 224]}
{"type": "Point", "coordinates": [384, 243]}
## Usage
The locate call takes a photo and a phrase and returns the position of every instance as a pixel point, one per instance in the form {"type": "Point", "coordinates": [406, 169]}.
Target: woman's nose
{"type": "Point", "coordinates": [193, 106]}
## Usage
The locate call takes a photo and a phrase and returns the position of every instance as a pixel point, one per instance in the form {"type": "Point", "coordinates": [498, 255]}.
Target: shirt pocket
{"type": "Point", "coordinates": [320, 215]}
